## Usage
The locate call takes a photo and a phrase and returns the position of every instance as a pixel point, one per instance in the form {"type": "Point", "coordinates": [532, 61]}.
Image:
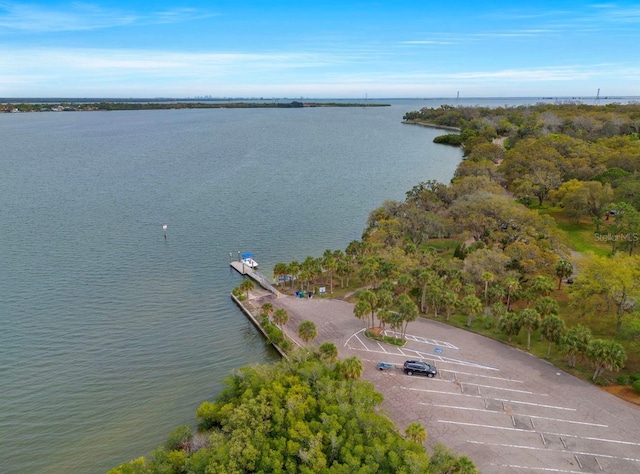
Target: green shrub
{"type": "Point", "coordinates": [634, 377]}
{"type": "Point", "coordinates": [622, 380]}
{"type": "Point", "coordinates": [636, 386]}
{"type": "Point", "coordinates": [396, 341]}
{"type": "Point", "coordinates": [449, 139]}
{"type": "Point", "coordinates": [179, 438]}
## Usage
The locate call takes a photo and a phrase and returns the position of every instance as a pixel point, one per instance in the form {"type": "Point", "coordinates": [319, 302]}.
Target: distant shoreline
{"type": "Point", "coordinates": [44, 105]}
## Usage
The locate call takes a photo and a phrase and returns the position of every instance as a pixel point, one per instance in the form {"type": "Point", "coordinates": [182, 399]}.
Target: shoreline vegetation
{"type": "Point", "coordinates": [80, 105]}
{"type": "Point", "coordinates": [533, 243]}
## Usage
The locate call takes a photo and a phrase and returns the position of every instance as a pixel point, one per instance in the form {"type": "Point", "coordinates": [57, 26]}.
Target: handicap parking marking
{"type": "Point", "coordinates": [421, 340]}
{"type": "Point", "coordinates": [356, 343]}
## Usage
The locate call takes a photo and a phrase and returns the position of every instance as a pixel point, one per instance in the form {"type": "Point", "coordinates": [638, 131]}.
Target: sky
{"type": "Point", "coordinates": [319, 49]}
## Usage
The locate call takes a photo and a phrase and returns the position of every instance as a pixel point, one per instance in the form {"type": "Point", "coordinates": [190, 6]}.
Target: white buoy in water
{"type": "Point", "coordinates": [164, 230]}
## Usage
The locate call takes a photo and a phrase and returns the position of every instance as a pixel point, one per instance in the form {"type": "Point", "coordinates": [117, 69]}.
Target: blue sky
{"type": "Point", "coordinates": [321, 49]}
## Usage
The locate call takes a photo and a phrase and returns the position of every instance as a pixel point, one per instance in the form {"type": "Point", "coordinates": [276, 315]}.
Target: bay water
{"type": "Point", "coordinates": [110, 334]}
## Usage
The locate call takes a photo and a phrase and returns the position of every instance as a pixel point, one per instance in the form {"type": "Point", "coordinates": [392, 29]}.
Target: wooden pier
{"type": "Point", "coordinates": [259, 278]}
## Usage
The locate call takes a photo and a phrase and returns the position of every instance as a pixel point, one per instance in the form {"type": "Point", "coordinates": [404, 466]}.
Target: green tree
{"type": "Point", "coordinates": [605, 355]}
{"type": "Point", "coordinates": [449, 302]}
{"type": "Point", "coordinates": [471, 306]}
{"type": "Point", "coordinates": [547, 306]}
{"type": "Point", "coordinates": [512, 285]}
{"type": "Point", "coordinates": [246, 286]}
{"type": "Point", "coordinates": [542, 285]}
{"type": "Point", "coordinates": [280, 270]}
{"type": "Point", "coordinates": [329, 264]}
{"type": "Point", "coordinates": [362, 309]}
{"type": "Point", "coordinates": [416, 432]}
{"type": "Point", "coordinates": [564, 269]}
{"type": "Point", "coordinates": [487, 277]}
{"type": "Point", "coordinates": [267, 308]}
{"type": "Point", "coordinates": [605, 283]}
{"type": "Point", "coordinates": [370, 298]}
{"type": "Point", "coordinates": [553, 329]}
{"type": "Point", "coordinates": [328, 351]}
{"type": "Point", "coordinates": [280, 317]}
{"type": "Point", "coordinates": [351, 368]}
{"type": "Point", "coordinates": [529, 321]}
{"type": "Point", "coordinates": [407, 310]}
{"type": "Point", "coordinates": [509, 324]}
{"type": "Point", "coordinates": [574, 343]}
{"type": "Point", "coordinates": [307, 331]}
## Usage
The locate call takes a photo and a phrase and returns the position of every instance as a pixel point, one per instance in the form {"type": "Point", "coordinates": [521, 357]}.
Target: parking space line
{"type": "Point", "coordinates": [527, 392]}
{"type": "Point", "coordinates": [506, 400]}
{"type": "Point", "coordinates": [484, 376]}
{"type": "Point", "coordinates": [529, 468]}
{"type": "Point", "coordinates": [547, 433]}
{"type": "Point", "coordinates": [559, 420]}
{"type": "Point", "coordinates": [583, 453]}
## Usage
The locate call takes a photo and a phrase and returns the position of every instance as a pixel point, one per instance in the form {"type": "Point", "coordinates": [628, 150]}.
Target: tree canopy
{"type": "Point", "coordinates": [301, 415]}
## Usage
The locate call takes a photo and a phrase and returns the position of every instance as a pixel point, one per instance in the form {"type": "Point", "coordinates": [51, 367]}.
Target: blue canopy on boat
{"type": "Point", "coordinates": [247, 255]}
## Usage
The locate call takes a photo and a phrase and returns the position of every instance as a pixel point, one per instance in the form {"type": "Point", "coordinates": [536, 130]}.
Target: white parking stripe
{"type": "Point", "coordinates": [559, 420]}
{"type": "Point", "coordinates": [529, 468]}
{"type": "Point", "coordinates": [584, 453]}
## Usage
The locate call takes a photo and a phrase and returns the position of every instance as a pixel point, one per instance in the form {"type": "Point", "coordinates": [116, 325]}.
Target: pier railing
{"type": "Point", "coordinates": [256, 276]}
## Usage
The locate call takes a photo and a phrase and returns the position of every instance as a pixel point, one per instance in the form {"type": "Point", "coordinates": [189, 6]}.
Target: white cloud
{"type": "Point", "coordinates": [82, 17]}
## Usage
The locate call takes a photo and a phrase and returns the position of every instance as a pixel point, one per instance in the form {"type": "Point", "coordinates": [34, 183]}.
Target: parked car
{"type": "Point", "coordinates": [418, 367]}
{"type": "Point", "coordinates": [384, 365]}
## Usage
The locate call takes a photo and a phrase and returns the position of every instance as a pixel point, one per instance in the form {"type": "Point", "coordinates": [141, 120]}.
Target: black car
{"type": "Point", "coordinates": [418, 367]}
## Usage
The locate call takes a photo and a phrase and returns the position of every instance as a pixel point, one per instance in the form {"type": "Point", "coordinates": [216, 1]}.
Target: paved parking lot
{"type": "Point", "coordinates": [505, 409]}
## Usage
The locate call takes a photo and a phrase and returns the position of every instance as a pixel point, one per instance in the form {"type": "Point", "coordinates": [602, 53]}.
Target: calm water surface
{"type": "Point", "coordinates": [110, 335]}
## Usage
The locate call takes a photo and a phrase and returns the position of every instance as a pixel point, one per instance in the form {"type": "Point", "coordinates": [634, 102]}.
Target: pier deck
{"type": "Point", "coordinates": [254, 275]}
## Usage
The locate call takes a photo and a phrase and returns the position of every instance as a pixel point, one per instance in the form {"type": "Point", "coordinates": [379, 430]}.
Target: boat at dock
{"type": "Point", "coordinates": [247, 259]}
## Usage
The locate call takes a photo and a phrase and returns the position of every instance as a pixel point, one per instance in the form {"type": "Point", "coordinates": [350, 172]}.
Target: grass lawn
{"type": "Point", "coordinates": [579, 235]}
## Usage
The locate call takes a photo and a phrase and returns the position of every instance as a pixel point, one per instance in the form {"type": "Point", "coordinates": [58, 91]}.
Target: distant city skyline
{"type": "Point", "coordinates": [319, 49]}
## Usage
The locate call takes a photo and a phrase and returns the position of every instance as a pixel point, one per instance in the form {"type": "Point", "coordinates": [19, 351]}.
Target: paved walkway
{"type": "Point", "coordinates": [507, 410]}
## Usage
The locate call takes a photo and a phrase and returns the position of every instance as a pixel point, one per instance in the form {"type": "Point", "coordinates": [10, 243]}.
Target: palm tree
{"type": "Point", "coordinates": [529, 321]}
{"type": "Point", "coordinates": [385, 301]}
{"type": "Point", "coordinates": [424, 277]}
{"type": "Point", "coordinates": [280, 317]}
{"type": "Point", "coordinates": [564, 269]}
{"type": "Point", "coordinates": [328, 351]}
{"type": "Point", "coordinates": [351, 368]}
{"type": "Point", "coordinates": [471, 306]}
{"type": "Point", "coordinates": [542, 285]}
{"type": "Point", "coordinates": [307, 331]}
{"type": "Point", "coordinates": [509, 324]}
{"type": "Point", "coordinates": [487, 277]}
{"type": "Point", "coordinates": [512, 284]}
{"type": "Point", "coordinates": [267, 308]}
{"type": "Point", "coordinates": [330, 264]}
{"type": "Point", "coordinates": [293, 270]}
{"type": "Point", "coordinates": [575, 342]}
{"type": "Point", "coordinates": [362, 310]}
{"type": "Point", "coordinates": [280, 270]}
{"type": "Point", "coordinates": [407, 310]}
{"type": "Point", "coordinates": [547, 306]}
{"type": "Point", "coordinates": [605, 355]}
{"type": "Point", "coordinates": [344, 269]}
{"type": "Point", "coordinates": [416, 432]}
{"type": "Point", "coordinates": [405, 283]}
{"type": "Point", "coordinates": [449, 301]}
{"type": "Point", "coordinates": [371, 299]}
{"type": "Point", "coordinates": [246, 286]}
{"type": "Point", "coordinates": [552, 328]}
